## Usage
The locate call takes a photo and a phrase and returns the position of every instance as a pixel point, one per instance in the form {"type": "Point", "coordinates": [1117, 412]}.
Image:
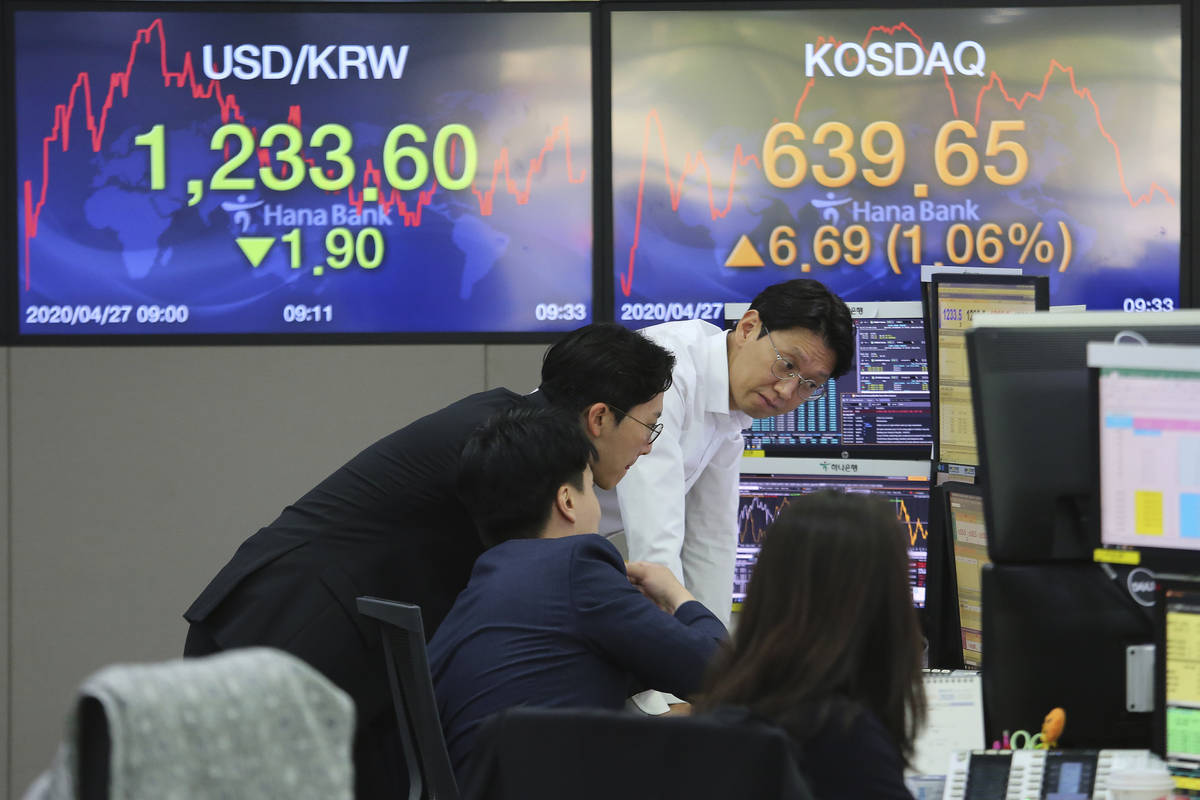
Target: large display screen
{"type": "Point", "coordinates": [227, 171]}
{"type": "Point", "coordinates": [854, 145]}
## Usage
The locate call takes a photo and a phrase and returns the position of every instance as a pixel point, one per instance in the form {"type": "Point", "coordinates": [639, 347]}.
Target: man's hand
{"type": "Point", "coordinates": [659, 584]}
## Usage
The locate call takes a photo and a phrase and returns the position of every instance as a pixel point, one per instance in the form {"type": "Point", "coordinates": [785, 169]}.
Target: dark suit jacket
{"type": "Point", "coordinates": [387, 524]}
{"type": "Point", "coordinates": [850, 762]}
{"type": "Point", "coordinates": [848, 756]}
{"type": "Point", "coordinates": [555, 622]}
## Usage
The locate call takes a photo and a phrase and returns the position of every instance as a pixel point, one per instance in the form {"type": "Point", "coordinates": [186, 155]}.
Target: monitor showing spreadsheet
{"type": "Point", "coordinates": [1148, 426]}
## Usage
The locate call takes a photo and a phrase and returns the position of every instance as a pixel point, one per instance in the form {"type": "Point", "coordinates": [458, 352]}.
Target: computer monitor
{"type": "Point", "coordinates": [1055, 635]}
{"type": "Point", "coordinates": [1147, 420]}
{"type": "Point", "coordinates": [767, 484]}
{"type": "Point", "coordinates": [954, 302]}
{"type": "Point", "coordinates": [1177, 676]}
{"type": "Point", "coordinates": [1029, 378]}
{"type": "Point", "coordinates": [966, 530]}
{"type": "Point", "coordinates": [880, 408]}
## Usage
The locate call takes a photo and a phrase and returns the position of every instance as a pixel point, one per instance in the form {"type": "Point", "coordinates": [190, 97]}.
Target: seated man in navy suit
{"type": "Point", "coordinates": [388, 523]}
{"type": "Point", "coordinates": [552, 616]}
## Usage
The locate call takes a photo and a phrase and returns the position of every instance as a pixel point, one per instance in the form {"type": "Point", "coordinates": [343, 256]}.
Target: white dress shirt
{"type": "Point", "coordinates": [678, 505]}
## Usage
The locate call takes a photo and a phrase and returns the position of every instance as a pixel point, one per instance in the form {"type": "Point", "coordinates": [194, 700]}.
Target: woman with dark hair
{"type": "Point", "coordinates": [828, 645]}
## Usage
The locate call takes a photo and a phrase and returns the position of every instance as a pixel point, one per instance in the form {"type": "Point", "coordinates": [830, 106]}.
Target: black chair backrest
{"type": "Point", "coordinates": [549, 754]}
{"type": "Point", "coordinates": [429, 770]}
{"type": "Point", "coordinates": [94, 748]}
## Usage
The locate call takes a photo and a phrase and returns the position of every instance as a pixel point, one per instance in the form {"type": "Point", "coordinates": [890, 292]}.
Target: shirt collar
{"type": "Point", "coordinates": [715, 384]}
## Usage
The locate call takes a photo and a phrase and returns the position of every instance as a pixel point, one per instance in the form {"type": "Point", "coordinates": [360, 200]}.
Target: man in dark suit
{"type": "Point", "coordinates": [552, 615]}
{"type": "Point", "coordinates": [388, 523]}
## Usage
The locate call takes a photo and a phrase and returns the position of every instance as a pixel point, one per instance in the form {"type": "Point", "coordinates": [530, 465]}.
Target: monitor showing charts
{"type": "Point", "coordinates": [1148, 424]}
{"type": "Point", "coordinates": [879, 408]}
{"type": "Point", "coordinates": [767, 484]}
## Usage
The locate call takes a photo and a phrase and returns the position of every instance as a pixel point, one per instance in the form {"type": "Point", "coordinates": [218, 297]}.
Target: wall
{"type": "Point", "coordinates": [133, 473]}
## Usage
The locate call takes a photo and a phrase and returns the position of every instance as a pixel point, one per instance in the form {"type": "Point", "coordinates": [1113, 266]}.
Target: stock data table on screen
{"type": "Point", "coordinates": [879, 408]}
{"type": "Point", "coordinates": [954, 301]}
{"type": "Point", "coordinates": [768, 484]}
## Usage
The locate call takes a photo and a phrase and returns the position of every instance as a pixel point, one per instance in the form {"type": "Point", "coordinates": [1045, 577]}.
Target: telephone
{"type": "Point", "coordinates": [1038, 774]}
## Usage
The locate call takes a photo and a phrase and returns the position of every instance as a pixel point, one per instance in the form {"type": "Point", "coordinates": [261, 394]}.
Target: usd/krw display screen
{"type": "Point", "coordinates": [231, 172]}
{"type": "Point", "coordinates": [854, 145]}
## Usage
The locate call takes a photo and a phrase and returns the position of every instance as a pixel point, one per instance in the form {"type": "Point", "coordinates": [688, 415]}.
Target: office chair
{"type": "Point", "coordinates": [528, 753]}
{"type": "Point", "coordinates": [429, 770]}
{"type": "Point", "coordinates": [95, 750]}
{"type": "Point", "coordinates": [254, 723]}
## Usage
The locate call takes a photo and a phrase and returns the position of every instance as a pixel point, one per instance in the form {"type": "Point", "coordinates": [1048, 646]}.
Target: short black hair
{"type": "Point", "coordinates": [512, 466]}
{"type": "Point", "coordinates": [605, 363]}
{"type": "Point", "coordinates": [806, 303]}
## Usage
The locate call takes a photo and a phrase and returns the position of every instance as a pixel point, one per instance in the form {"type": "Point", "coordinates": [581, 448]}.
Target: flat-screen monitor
{"type": "Point", "coordinates": [767, 484]}
{"type": "Point", "coordinates": [1030, 397]}
{"type": "Point", "coordinates": [954, 302]}
{"type": "Point", "coordinates": [880, 408]}
{"type": "Point", "coordinates": [852, 144]}
{"type": "Point", "coordinates": [1177, 676]}
{"type": "Point", "coordinates": [1055, 635]}
{"type": "Point", "coordinates": [1147, 420]}
{"type": "Point", "coordinates": [967, 534]}
{"type": "Point", "coordinates": [238, 168]}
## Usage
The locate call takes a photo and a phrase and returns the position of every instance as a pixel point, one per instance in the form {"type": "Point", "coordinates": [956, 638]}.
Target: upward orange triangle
{"type": "Point", "coordinates": [743, 254]}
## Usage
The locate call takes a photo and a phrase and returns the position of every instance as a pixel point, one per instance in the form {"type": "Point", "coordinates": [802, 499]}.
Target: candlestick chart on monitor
{"type": "Point", "coordinates": [763, 496]}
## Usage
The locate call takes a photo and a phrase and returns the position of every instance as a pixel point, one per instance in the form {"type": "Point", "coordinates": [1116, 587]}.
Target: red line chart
{"type": "Point", "coordinates": [227, 104]}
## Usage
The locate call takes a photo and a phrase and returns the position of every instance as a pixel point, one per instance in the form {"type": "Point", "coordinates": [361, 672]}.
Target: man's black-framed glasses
{"type": "Point", "coordinates": [655, 430]}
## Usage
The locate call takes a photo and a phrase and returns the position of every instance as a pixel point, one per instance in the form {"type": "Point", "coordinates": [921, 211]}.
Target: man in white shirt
{"type": "Point", "coordinates": [678, 505]}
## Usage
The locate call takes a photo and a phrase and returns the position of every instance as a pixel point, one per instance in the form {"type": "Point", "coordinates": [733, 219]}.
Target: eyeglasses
{"type": "Point", "coordinates": [784, 370]}
{"type": "Point", "coordinates": [655, 430]}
